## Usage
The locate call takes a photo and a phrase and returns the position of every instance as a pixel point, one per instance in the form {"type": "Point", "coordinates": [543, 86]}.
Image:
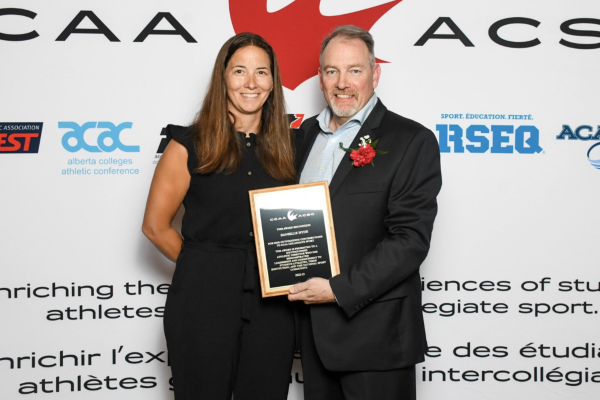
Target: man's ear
{"type": "Point", "coordinates": [320, 78]}
{"type": "Point", "coordinates": [376, 75]}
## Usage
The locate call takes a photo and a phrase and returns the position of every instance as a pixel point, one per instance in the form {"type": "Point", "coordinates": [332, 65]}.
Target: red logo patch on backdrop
{"type": "Point", "coordinates": [296, 31]}
{"type": "Point", "coordinates": [20, 137]}
{"type": "Point", "coordinates": [295, 120]}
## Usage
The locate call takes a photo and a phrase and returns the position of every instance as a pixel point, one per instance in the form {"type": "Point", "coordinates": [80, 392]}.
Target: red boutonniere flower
{"type": "Point", "coordinates": [365, 153]}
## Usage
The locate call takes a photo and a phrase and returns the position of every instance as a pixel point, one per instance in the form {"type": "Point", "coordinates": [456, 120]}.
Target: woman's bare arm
{"type": "Point", "coordinates": [169, 185]}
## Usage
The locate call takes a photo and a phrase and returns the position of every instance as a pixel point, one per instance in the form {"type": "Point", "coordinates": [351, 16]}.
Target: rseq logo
{"type": "Point", "coordinates": [20, 137]}
{"type": "Point", "coordinates": [498, 139]}
{"type": "Point", "coordinates": [107, 141]}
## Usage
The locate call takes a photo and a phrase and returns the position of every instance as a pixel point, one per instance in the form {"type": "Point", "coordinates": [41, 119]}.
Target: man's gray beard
{"type": "Point", "coordinates": [338, 113]}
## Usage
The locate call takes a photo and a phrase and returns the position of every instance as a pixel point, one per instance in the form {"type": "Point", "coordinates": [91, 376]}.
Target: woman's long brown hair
{"type": "Point", "coordinates": [218, 146]}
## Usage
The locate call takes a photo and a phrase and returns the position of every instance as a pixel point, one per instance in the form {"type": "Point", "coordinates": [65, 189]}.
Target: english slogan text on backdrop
{"type": "Point", "coordinates": [89, 312]}
{"type": "Point", "coordinates": [445, 309]}
{"type": "Point", "coordinates": [457, 307]}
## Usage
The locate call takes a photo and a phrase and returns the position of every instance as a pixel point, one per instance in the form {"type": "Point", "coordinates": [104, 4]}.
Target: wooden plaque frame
{"type": "Point", "coordinates": [311, 196]}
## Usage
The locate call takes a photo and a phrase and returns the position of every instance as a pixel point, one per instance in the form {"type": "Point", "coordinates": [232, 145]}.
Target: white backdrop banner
{"type": "Point", "coordinates": [511, 285]}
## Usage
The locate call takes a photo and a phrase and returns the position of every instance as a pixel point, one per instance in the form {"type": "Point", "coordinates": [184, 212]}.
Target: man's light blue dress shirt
{"type": "Point", "coordinates": [326, 153]}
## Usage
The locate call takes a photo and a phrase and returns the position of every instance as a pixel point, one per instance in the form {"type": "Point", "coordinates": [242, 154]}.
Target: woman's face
{"type": "Point", "coordinates": [249, 80]}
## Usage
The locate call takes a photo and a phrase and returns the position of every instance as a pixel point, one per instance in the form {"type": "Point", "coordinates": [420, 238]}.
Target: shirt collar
{"type": "Point", "coordinates": [325, 116]}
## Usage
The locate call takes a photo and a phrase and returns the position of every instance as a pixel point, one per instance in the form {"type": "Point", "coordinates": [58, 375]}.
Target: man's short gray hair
{"type": "Point", "coordinates": [351, 32]}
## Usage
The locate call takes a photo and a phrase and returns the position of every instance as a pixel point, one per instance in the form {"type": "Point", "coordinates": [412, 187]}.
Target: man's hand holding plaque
{"type": "Point", "coordinates": [313, 291]}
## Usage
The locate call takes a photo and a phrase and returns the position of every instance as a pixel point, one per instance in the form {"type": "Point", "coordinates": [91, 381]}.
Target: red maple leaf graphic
{"type": "Point", "coordinates": [296, 31]}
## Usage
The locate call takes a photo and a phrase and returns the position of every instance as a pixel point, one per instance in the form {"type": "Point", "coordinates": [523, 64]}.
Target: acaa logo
{"type": "Point", "coordinates": [584, 133]}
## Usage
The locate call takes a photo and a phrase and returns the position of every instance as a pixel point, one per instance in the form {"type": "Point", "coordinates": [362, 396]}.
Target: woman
{"type": "Point", "coordinates": [222, 337]}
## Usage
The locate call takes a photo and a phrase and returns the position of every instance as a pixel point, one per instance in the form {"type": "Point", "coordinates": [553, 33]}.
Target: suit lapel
{"type": "Point", "coordinates": [368, 128]}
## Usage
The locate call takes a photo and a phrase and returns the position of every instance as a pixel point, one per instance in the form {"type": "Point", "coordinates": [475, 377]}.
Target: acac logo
{"type": "Point", "coordinates": [296, 31]}
{"type": "Point", "coordinates": [107, 141]}
{"type": "Point", "coordinates": [500, 139]}
{"type": "Point", "coordinates": [20, 137]}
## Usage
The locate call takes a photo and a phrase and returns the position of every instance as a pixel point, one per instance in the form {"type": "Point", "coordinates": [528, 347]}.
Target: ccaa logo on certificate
{"type": "Point", "coordinates": [291, 216]}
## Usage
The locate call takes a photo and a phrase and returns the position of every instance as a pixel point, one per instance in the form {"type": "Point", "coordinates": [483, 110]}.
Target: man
{"type": "Point", "coordinates": [362, 332]}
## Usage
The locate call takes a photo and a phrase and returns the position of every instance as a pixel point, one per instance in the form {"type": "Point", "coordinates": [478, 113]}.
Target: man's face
{"type": "Point", "coordinates": [346, 77]}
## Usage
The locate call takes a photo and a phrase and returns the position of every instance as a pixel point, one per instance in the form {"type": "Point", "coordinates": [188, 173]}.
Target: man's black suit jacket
{"type": "Point", "coordinates": [383, 217]}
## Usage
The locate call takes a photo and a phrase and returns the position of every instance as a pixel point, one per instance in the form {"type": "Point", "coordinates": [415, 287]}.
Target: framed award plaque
{"type": "Point", "coordinates": [294, 235]}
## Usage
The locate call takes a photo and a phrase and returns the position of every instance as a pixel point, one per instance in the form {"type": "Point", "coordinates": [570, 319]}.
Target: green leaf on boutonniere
{"type": "Point", "coordinates": [346, 149]}
{"type": "Point", "coordinates": [374, 145]}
